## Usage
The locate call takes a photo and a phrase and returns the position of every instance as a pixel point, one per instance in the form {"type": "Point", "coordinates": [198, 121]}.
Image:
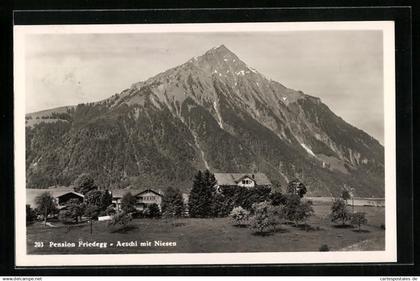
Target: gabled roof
{"type": "Point", "coordinates": [233, 178]}
{"type": "Point", "coordinates": [119, 193]}
{"type": "Point", "coordinates": [64, 193]}
{"type": "Point", "coordinates": [149, 190]}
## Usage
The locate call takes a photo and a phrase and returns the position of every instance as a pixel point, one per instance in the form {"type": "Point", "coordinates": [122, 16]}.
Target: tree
{"type": "Point", "coordinates": [265, 219]}
{"type": "Point", "coordinates": [222, 205]}
{"type": "Point", "coordinates": [30, 214]}
{"type": "Point", "coordinates": [295, 210]}
{"type": "Point", "coordinates": [94, 197]}
{"type": "Point", "coordinates": [339, 211]}
{"type": "Point", "coordinates": [358, 219]}
{"type": "Point", "coordinates": [291, 207]}
{"type": "Point", "coordinates": [128, 203]}
{"type": "Point", "coordinates": [153, 211]}
{"type": "Point", "coordinates": [100, 199]}
{"type": "Point", "coordinates": [84, 183]}
{"type": "Point", "coordinates": [76, 208]}
{"type": "Point", "coordinates": [45, 204]}
{"type": "Point", "coordinates": [65, 216]}
{"type": "Point", "coordinates": [345, 195]}
{"type": "Point", "coordinates": [239, 216]}
{"type": "Point", "coordinates": [92, 211]}
{"type": "Point", "coordinates": [172, 203]}
{"type": "Point", "coordinates": [303, 212]}
{"type": "Point", "coordinates": [277, 198]}
{"type": "Point", "coordinates": [230, 197]}
{"type": "Point", "coordinates": [296, 187]}
{"type": "Point", "coordinates": [73, 211]}
{"type": "Point", "coordinates": [105, 200]}
{"type": "Point", "coordinates": [201, 195]}
{"type": "Point", "coordinates": [119, 221]}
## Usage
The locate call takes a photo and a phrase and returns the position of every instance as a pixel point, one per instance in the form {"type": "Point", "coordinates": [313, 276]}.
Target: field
{"type": "Point", "coordinates": [211, 235]}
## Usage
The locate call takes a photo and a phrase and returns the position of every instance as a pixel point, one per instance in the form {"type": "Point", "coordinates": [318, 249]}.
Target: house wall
{"type": "Point", "coordinates": [150, 198]}
{"type": "Point", "coordinates": [247, 182]}
{"type": "Point", "coordinates": [143, 200]}
{"type": "Point", "coordinates": [117, 203]}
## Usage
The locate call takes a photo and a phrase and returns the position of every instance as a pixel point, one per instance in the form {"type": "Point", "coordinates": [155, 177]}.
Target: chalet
{"type": "Point", "coordinates": [144, 198]}
{"type": "Point", "coordinates": [250, 180]}
{"type": "Point", "coordinates": [60, 194]}
{"type": "Point", "coordinates": [62, 199]}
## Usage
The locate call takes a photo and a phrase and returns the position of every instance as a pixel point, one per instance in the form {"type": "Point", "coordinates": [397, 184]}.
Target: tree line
{"type": "Point", "coordinates": [258, 207]}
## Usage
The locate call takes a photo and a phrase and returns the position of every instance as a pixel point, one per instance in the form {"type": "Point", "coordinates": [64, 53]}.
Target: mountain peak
{"type": "Point", "coordinates": [220, 52]}
{"type": "Point", "coordinates": [219, 58]}
{"type": "Point", "coordinates": [220, 49]}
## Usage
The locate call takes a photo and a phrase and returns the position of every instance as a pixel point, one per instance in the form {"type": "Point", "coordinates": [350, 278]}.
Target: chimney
{"type": "Point", "coordinates": [253, 176]}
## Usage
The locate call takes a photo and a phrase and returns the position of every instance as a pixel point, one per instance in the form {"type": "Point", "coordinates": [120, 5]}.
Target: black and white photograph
{"type": "Point", "coordinates": [205, 143]}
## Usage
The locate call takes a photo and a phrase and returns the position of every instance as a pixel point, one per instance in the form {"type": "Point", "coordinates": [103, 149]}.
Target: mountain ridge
{"type": "Point", "coordinates": [229, 117]}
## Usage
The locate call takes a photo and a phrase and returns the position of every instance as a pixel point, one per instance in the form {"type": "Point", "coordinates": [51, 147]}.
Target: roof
{"type": "Point", "coordinates": [232, 178]}
{"type": "Point", "coordinates": [32, 193]}
{"type": "Point", "coordinates": [150, 190]}
{"type": "Point", "coordinates": [119, 193]}
{"type": "Point", "coordinates": [73, 192]}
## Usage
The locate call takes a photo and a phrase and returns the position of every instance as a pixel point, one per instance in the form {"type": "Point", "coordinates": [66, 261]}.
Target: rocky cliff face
{"type": "Point", "coordinates": [211, 112]}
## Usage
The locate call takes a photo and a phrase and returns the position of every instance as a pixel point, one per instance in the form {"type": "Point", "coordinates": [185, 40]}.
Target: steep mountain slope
{"type": "Point", "coordinates": [211, 112]}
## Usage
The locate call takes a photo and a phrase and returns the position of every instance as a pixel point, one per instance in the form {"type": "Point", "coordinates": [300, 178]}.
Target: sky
{"type": "Point", "coordinates": [343, 68]}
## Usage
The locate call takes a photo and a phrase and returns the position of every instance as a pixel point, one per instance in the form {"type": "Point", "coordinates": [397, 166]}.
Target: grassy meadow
{"type": "Point", "coordinates": [194, 235]}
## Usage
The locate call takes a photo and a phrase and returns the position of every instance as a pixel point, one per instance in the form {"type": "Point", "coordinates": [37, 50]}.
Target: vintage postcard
{"type": "Point", "coordinates": [236, 143]}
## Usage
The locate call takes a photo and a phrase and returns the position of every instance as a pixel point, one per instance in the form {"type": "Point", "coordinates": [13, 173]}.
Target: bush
{"type": "Point", "coordinates": [324, 248]}
{"type": "Point", "coordinates": [239, 216]}
{"type": "Point", "coordinates": [339, 211]}
{"type": "Point", "coordinates": [296, 187]}
{"type": "Point", "coordinates": [153, 211]}
{"type": "Point", "coordinates": [265, 219]}
{"type": "Point", "coordinates": [119, 222]}
{"type": "Point", "coordinates": [358, 219]}
{"type": "Point", "coordinates": [66, 217]}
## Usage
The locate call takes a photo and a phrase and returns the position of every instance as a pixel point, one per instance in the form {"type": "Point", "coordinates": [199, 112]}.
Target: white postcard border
{"type": "Point", "coordinates": [390, 253]}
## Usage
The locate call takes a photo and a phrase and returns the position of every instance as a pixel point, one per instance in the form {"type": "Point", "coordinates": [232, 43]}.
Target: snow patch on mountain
{"type": "Point", "coordinates": [219, 117]}
{"type": "Point", "coordinates": [252, 69]}
{"type": "Point", "coordinates": [308, 149]}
